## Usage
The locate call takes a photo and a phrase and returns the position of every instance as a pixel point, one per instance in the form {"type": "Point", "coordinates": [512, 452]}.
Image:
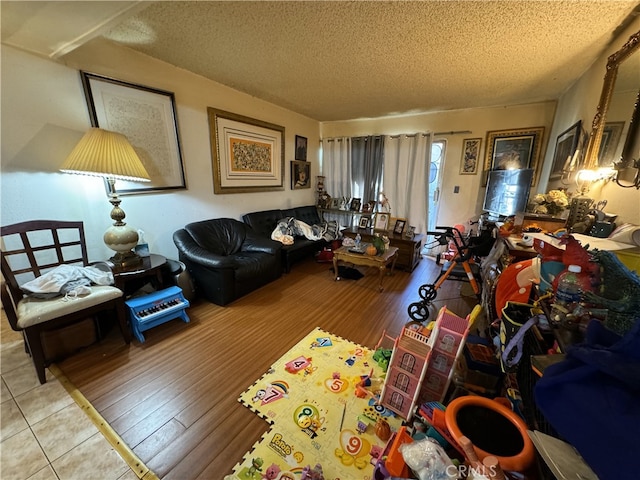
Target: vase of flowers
{"type": "Point", "coordinates": [554, 202]}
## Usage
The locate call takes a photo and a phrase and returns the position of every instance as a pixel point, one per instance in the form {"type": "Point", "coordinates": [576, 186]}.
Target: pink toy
{"type": "Point", "coordinates": [271, 473]}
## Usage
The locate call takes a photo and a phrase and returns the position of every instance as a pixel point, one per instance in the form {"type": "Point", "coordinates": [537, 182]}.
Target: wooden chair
{"type": "Point", "coordinates": [31, 249]}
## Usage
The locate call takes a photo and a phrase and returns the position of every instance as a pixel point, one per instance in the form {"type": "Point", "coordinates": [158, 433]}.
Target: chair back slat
{"type": "Point", "coordinates": [30, 249]}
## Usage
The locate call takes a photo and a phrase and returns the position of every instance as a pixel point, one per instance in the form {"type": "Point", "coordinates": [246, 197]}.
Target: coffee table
{"type": "Point", "coordinates": [380, 262]}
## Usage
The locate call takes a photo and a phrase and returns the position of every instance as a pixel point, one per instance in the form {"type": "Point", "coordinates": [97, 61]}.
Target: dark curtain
{"type": "Point", "coordinates": [367, 158]}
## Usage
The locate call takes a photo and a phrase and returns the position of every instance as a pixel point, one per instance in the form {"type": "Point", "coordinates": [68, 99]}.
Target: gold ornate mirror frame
{"type": "Point", "coordinates": [614, 61]}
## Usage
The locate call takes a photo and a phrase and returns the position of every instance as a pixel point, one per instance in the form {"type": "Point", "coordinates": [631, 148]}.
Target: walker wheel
{"type": "Point", "coordinates": [418, 311]}
{"type": "Point", "coordinates": [428, 292]}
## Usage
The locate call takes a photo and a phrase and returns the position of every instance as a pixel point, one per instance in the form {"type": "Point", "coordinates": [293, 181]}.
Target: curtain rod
{"type": "Point", "coordinates": [453, 132]}
{"type": "Point", "coordinates": [339, 139]}
{"type": "Point", "coordinates": [456, 132]}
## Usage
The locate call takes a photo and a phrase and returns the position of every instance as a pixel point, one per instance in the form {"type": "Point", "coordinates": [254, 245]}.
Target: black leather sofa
{"type": "Point", "coordinates": [226, 258]}
{"type": "Point", "coordinates": [265, 221]}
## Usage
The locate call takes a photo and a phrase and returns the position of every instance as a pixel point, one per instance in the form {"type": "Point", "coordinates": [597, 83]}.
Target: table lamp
{"type": "Point", "coordinates": [107, 154]}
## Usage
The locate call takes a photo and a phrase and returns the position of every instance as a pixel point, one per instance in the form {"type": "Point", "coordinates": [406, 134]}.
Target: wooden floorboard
{"type": "Point", "coordinates": [173, 399]}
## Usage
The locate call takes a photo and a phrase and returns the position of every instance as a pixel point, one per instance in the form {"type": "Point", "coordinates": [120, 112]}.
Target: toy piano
{"type": "Point", "coordinates": [155, 309]}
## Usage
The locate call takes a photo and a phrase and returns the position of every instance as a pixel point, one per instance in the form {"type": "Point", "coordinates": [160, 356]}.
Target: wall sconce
{"type": "Point", "coordinates": [585, 178]}
{"type": "Point", "coordinates": [627, 172]}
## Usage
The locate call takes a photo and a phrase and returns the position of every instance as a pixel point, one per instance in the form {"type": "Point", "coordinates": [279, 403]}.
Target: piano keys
{"type": "Point", "coordinates": [148, 311]}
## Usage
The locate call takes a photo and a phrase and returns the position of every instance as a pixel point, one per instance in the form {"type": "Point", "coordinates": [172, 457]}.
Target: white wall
{"type": "Point", "coordinates": [44, 114]}
{"type": "Point", "coordinates": [467, 204]}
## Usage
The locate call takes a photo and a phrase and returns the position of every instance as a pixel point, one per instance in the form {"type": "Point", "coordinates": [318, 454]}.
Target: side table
{"type": "Point", "coordinates": [377, 261]}
{"type": "Point", "coordinates": [128, 279]}
{"type": "Point", "coordinates": [408, 248]}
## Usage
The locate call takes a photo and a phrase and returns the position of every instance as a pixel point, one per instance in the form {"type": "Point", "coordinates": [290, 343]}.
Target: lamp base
{"type": "Point", "coordinates": [122, 239]}
{"type": "Point", "coordinates": [126, 260]}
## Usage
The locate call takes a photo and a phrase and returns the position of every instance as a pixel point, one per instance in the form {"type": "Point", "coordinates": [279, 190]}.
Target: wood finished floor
{"type": "Point", "coordinates": [173, 399]}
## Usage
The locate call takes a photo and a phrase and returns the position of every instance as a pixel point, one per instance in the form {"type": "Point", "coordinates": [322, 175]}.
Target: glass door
{"type": "Point", "coordinates": [436, 168]}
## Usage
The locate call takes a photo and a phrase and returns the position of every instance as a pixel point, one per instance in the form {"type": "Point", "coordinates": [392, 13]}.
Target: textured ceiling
{"type": "Point", "coordinates": [334, 60]}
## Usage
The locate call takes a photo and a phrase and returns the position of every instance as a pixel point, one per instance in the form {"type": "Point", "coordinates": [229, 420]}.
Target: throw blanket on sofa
{"type": "Point", "coordinates": [289, 228]}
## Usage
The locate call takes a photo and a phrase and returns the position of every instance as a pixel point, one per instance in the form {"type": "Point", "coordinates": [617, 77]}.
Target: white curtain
{"type": "Point", "coordinates": [336, 166]}
{"type": "Point", "coordinates": [406, 180]}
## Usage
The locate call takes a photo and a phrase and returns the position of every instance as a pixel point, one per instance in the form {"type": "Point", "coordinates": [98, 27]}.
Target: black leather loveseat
{"type": "Point", "coordinates": [265, 221]}
{"type": "Point", "coordinates": [226, 258]}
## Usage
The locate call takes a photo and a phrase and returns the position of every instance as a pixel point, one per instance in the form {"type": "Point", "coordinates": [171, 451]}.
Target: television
{"type": "Point", "coordinates": [507, 191]}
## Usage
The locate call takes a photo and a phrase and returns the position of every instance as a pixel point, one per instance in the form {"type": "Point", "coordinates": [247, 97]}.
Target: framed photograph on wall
{"type": "Point", "coordinates": [381, 222]}
{"type": "Point", "coordinates": [247, 154]}
{"type": "Point", "coordinates": [364, 222]}
{"type": "Point", "coordinates": [513, 149]}
{"type": "Point", "coordinates": [611, 134]}
{"type": "Point", "coordinates": [566, 145]}
{"type": "Point", "coordinates": [147, 117]}
{"type": "Point", "coordinates": [301, 148]}
{"type": "Point", "coordinates": [470, 156]}
{"type": "Point", "coordinates": [300, 175]}
{"type": "Point", "coordinates": [399, 226]}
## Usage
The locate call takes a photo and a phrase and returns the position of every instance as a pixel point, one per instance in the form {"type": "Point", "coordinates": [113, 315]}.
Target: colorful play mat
{"type": "Point", "coordinates": [309, 396]}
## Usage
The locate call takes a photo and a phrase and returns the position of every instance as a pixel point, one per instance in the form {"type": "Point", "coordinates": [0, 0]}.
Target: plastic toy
{"type": "Point", "coordinates": [421, 366]}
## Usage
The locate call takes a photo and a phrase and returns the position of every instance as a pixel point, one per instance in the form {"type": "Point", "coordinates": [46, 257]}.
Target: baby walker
{"type": "Point", "coordinates": [460, 266]}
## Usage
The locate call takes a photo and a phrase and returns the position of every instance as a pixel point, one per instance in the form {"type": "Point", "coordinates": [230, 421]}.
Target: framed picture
{"type": "Point", "coordinates": [364, 222]}
{"type": "Point", "coordinates": [513, 149]}
{"type": "Point", "coordinates": [147, 117]}
{"type": "Point", "coordinates": [399, 226]}
{"type": "Point", "coordinates": [611, 134]}
{"type": "Point", "coordinates": [300, 174]}
{"type": "Point", "coordinates": [355, 204]}
{"type": "Point", "coordinates": [335, 203]}
{"type": "Point", "coordinates": [566, 145]}
{"type": "Point", "coordinates": [247, 154]}
{"type": "Point", "coordinates": [470, 156]}
{"type": "Point", "coordinates": [411, 232]}
{"type": "Point", "coordinates": [301, 148]}
{"type": "Point", "coordinates": [382, 221]}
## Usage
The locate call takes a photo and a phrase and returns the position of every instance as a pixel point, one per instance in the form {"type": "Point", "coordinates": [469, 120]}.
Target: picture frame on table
{"type": "Point", "coordinates": [609, 143]}
{"type": "Point", "coordinates": [410, 232]}
{"type": "Point", "coordinates": [381, 221]}
{"type": "Point", "coordinates": [335, 203]}
{"type": "Point", "coordinates": [513, 149]}
{"type": "Point", "coordinates": [301, 148]}
{"type": "Point", "coordinates": [364, 222]}
{"type": "Point", "coordinates": [470, 156]}
{"type": "Point", "coordinates": [566, 146]}
{"type": "Point", "coordinates": [398, 228]}
{"type": "Point", "coordinates": [354, 206]}
{"type": "Point", "coordinates": [247, 153]}
{"type": "Point", "coordinates": [300, 175]}
{"type": "Point", "coordinates": [147, 117]}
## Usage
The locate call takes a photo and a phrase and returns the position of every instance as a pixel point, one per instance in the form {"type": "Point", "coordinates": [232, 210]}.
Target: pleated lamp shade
{"type": "Point", "coordinates": [105, 154]}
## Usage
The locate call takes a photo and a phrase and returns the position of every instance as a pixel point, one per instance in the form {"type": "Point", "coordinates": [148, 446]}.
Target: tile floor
{"type": "Point", "coordinates": [44, 434]}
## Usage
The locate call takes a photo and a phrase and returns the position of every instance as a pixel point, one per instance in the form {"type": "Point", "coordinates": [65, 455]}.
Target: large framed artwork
{"type": "Point", "coordinates": [611, 134]}
{"type": "Point", "coordinates": [513, 150]}
{"type": "Point", "coordinates": [470, 156]}
{"type": "Point", "coordinates": [147, 117]}
{"type": "Point", "coordinates": [247, 154]}
{"type": "Point", "coordinates": [566, 144]}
